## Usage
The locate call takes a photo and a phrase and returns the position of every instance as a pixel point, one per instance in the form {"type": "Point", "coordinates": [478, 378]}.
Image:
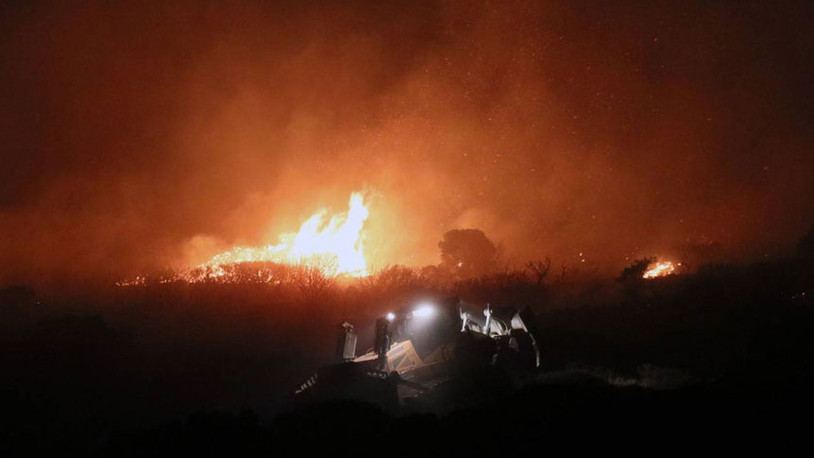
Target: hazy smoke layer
{"type": "Point", "coordinates": [139, 136]}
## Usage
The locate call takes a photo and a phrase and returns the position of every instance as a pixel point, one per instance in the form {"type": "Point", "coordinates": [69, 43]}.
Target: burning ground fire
{"type": "Point", "coordinates": [661, 269]}
{"type": "Point", "coordinates": [334, 247]}
{"type": "Point", "coordinates": [331, 247]}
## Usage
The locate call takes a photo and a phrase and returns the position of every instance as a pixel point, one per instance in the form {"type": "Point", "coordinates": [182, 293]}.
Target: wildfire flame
{"type": "Point", "coordinates": [335, 246]}
{"type": "Point", "coordinates": [660, 269]}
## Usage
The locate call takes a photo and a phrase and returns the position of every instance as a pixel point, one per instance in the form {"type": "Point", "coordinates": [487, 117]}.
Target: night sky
{"type": "Point", "coordinates": [137, 136]}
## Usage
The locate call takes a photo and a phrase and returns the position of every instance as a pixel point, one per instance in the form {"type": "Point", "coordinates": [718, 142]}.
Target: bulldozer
{"type": "Point", "coordinates": [430, 357]}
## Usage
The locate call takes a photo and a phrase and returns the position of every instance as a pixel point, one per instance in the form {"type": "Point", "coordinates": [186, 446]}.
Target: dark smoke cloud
{"type": "Point", "coordinates": [138, 135]}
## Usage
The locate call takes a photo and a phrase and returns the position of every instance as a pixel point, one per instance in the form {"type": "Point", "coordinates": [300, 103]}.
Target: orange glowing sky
{"type": "Point", "coordinates": [137, 136]}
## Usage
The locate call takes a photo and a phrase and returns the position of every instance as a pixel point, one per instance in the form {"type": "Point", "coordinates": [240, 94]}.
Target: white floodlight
{"type": "Point", "coordinates": [424, 310]}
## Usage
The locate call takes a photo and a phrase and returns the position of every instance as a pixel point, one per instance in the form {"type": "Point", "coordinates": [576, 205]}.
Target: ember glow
{"type": "Point", "coordinates": [660, 269]}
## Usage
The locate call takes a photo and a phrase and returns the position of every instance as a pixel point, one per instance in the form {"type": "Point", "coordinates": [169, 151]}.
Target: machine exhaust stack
{"type": "Point", "coordinates": [346, 343]}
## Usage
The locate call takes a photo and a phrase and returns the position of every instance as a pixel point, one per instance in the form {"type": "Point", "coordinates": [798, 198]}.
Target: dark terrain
{"type": "Point", "coordinates": [716, 358]}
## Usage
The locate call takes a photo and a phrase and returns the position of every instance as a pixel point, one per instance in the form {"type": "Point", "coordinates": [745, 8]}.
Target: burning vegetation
{"type": "Point", "coordinates": [661, 269]}
{"type": "Point", "coordinates": [330, 247]}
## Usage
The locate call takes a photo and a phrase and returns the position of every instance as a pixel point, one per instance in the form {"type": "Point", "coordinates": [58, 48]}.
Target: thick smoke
{"type": "Point", "coordinates": [141, 136]}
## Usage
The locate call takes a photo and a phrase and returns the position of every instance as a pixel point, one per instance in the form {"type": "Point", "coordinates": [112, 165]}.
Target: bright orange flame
{"type": "Point", "coordinates": [335, 247]}
{"type": "Point", "coordinates": [660, 269]}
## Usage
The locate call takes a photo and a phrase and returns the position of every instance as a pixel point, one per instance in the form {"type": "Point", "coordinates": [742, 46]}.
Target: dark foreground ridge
{"type": "Point", "coordinates": [715, 360]}
{"type": "Point", "coordinates": [570, 416]}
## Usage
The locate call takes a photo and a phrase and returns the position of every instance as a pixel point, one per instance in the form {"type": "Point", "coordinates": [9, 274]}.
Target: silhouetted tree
{"type": "Point", "coordinates": [636, 270]}
{"type": "Point", "coordinates": [467, 253]}
{"type": "Point", "coordinates": [391, 278]}
{"type": "Point", "coordinates": [313, 283]}
{"type": "Point", "coordinates": [539, 270]}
